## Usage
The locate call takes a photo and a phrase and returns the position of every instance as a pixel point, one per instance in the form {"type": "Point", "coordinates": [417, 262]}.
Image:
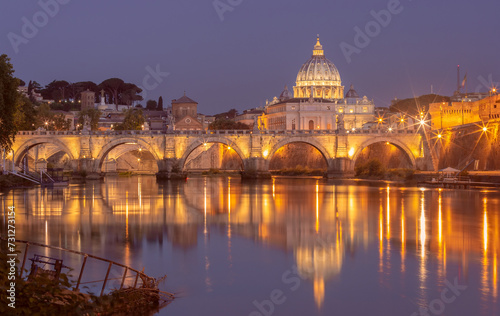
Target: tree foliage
{"type": "Point", "coordinates": [231, 114]}
{"type": "Point", "coordinates": [26, 115]}
{"type": "Point", "coordinates": [160, 104]}
{"type": "Point", "coordinates": [49, 120]}
{"type": "Point", "coordinates": [227, 124]}
{"type": "Point", "coordinates": [151, 105]}
{"type": "Point", "coordinates": [373, 168]}
{"type": "Point", "coordinates": [413, 106]}
{"type": "Point", "coordinates": [93, 114]}
{"type": "Point", "coordinates": [120, 92]}
{"type": "Point", "coordinates": [9, 104]}
{"type": "Point", "coordinates": [57, 90]}
{"type": "Point", "coordinates": [134, 120]}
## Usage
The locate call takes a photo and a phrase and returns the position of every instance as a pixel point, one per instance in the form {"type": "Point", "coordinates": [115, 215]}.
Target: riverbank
{"type": "Point", "coordinates": [10, 181]}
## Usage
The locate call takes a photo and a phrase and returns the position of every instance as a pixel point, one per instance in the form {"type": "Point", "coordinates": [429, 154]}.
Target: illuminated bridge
{"type": "Point", "coordinates": [89, 150]}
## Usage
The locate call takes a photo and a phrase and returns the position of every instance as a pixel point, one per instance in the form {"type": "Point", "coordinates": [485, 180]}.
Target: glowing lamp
{"type": "Point", "coordinates": [439, 135]}
{"type": "Point", "coordinates": [485, 129]}
{"type": "Point", "coordinates": [351, 152]}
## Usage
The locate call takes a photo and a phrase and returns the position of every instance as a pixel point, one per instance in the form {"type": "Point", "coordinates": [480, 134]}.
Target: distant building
{"type": "Point", "coordinates": [87, 100]}
{"type": "Point", "coordinates": [185, 114]}
{"type": "Point", "coordinates": [318, 102]}
{"type": "Point", "coordinates": [489, 108]}
{"type": "Point", "coordinates": [35, 95]}
{"type": "Point", "coordinates": [248, 116]}
{"type": "Point", "coordinates": [450, 114]}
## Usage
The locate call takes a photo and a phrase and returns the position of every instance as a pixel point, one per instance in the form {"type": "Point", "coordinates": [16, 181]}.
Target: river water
{"type": "Point", "coordinates": [281, 246]}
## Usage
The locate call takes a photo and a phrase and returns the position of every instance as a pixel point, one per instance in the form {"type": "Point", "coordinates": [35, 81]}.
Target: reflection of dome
{"type": "Point", "coordinates": [319, 263]}
{"type": "Point", "coordinates": [319, 74]}
{"type": "Point", "coordinates": [352, 93]}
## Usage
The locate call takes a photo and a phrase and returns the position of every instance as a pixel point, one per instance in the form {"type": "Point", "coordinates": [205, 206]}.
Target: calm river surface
{"type": "Point", "coordinates": [280, 246]}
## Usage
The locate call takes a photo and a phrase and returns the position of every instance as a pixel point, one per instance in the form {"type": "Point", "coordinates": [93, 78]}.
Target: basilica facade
{"type": "Point", "coordinates": [318, 101]}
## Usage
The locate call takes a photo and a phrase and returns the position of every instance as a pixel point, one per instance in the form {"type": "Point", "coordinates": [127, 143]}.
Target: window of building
{"type": "Point", "coordinates": [351, 110]}
{"type": "Point", "coordinates": [365, 109]}
{"type": "Point", "coordinates": [311, 125]}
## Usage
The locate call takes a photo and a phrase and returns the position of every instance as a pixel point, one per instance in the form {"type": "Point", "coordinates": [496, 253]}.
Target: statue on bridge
{"type": "Point", "coordinates": [340, 123]}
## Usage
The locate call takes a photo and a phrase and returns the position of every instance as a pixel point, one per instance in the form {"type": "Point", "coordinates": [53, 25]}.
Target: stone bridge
{"type": "Point", "coordinates": [88, 151]}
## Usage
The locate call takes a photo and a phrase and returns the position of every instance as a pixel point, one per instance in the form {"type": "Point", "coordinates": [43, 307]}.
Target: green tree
{"type": "Point", "coordinates": [413, 106]}
{"type": "Point", "coordinates": [57, 90]}
{"type": "Point", "coordinates": [113, 87]}
{"type": "Point", "coordinates": [227, 124]}
{"type": "Point", "coordinates": [9, 102]}
{"type": "Point", "coordinates": [160, 104]}
{"type": "Point", "coordinates": [134, 120]}
{"type": "Point", "coordinates": [26, 115]}
{"type": "Point", "coordinates": [120, 91]}
{"type": "Point", "coordinates": [44, 116]}
{"type": "Point", "coordinates": [151, 105]}
{"type": "Point", "coordinates": [231, 114]}
{"type": "Point", "coordinates": [94, 116]}
{"type": "Point", "coordinates": [60, 123]}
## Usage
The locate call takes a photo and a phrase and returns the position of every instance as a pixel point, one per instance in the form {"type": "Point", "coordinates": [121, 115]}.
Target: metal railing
{"type": "Point", "coordinates": [145, 280]}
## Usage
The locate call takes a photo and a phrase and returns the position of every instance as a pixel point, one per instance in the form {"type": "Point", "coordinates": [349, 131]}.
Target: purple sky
{"type": "Point", "coordinates": [246, 57]}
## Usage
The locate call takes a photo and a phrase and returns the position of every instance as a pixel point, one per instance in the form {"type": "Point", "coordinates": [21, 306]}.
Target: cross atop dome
{"type": "Point", "coordinates": [318, 48]}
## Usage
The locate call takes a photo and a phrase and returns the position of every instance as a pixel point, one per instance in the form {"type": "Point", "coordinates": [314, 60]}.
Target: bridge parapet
{"type": "Point", "coordinates": [255, 148]}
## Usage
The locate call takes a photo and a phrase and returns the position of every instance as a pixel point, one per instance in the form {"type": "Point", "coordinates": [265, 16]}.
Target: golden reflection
{"type": "Point", "coordinates": [229, 243]}
{"type": "Point", "coordinates": [423, 238]}
{"type": "Point", "coordinates": [205, 207]}
{"type": "Point", "coordinates": [485, 225]}
{"type": "Point", "coordinates": [317, 207]}
{"type": "Point", "coordinates": [274, 188]}
{"type": "Point", "coordinates": [319, 291]}
{"type": "Point", "coordinates": [388, 214]}
{"type": "Point", "coordinates": [139, 193]}
{"type": "Point", "coordinates": [440, 220]}
{"type": "Point", "coordinates": [485, 273]}
{"type": "Point", "coordinates": [320, 263]}
{"type": "Point", "coordinates": [126, 215]}
{"type": "Point", "coordinates": [423, 235]}
{"type": "Point", "coordinates": [495, 276]}
{"type": "Point", "coordinates": [381, 236]}
{"type": "Point", "coordinates": [403, 239]}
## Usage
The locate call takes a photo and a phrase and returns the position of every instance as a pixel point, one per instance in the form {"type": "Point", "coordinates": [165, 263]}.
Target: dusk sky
{"type": "Point", "coordinates": [249, 50]}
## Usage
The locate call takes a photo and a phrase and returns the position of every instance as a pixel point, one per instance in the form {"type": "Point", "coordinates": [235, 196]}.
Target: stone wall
{"type": "Point", "coordinates": [459, 146]}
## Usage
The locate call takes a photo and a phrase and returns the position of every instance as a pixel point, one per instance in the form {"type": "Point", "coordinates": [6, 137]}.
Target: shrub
{"type": "Point", "coordinates": [373, 168]}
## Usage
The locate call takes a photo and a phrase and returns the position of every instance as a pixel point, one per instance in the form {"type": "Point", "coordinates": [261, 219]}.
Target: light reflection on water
{"type": "Point", "coordinates": [226, 245]}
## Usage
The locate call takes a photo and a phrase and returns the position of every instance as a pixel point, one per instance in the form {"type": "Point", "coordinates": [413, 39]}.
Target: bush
{"type": "Point", "coordinates": [373, 168]}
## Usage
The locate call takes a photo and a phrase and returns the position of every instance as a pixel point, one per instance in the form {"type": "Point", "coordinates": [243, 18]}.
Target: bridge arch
{"type": "Point", "coordinates": [200, 141]}
{"type": "Point", "coordinates": [122, 141]}
{"type": "Point", "coordinates": [26, 146]}
{"type": "Point", "coordinates": [290, 140]}
{"type": "Point", "coordinates": [393, 141]}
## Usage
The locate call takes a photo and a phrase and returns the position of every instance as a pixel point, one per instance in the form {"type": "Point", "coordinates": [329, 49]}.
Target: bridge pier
{"type": "Point", "coordinates": [340, 168]}
{"type": "Point", "coordinates": [255, 168]}
{"type": "Point", "coordinates": [170, 169]}
{"type": "Point", "coordinates": [87, 168]}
